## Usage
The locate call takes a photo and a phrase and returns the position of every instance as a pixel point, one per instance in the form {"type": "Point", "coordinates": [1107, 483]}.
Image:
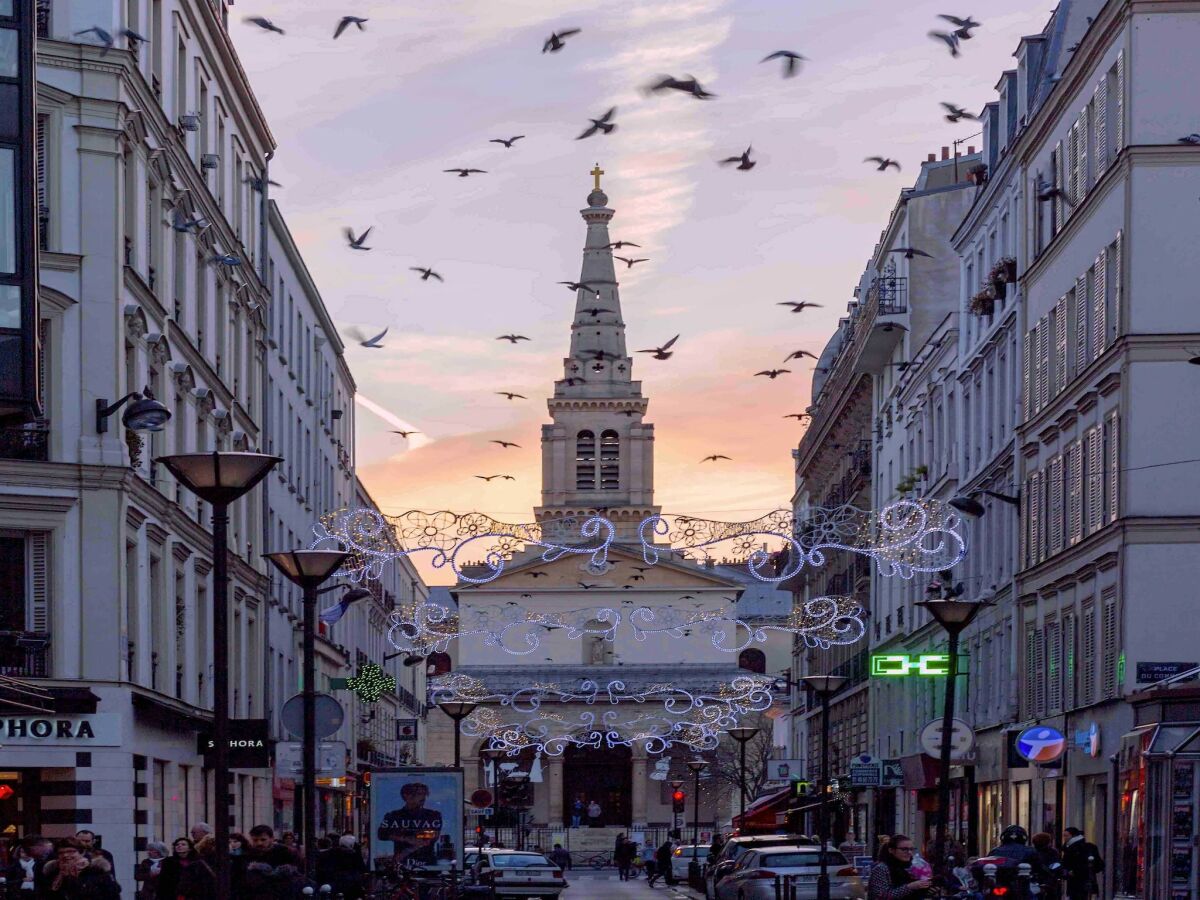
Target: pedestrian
{"type": "Point", "coordinates": [72, 876]}
{"type": "Point", "coordinates": [343, 869]}
{"type": "Point", "coordinates": [147, 871]}
{"type": "Point", "coordinates": [662, 863]}
{"type": "Point", "coordinates": [238, 843]}
{"type": "Point", "coordinates": [623, 857]}
{"type": "Point", "coordinates": [593, 813]}
{"type": "Point", "coordinates": [199, 830]}
{"type": "Point", "coordinates": [648, 861]}
{"type": "Point", "coordinates": [185, 875]}
{"type": "Point", "coordinates": [1043, 843]}
{"type": "Point", "coordinates": [29, 860]}
{"type": "Point", "coordinates": [561, 857]}
{"type": "Point", "coordinates": [714, 850]}
{"type": "Point", "coordinates": [1082, 861]}
{"type": "Point", "coordinates": [881, 843]}
{"type": "Point", "coordinates": [891, 878]}
{"type": "Point", "coordinates": [577, 810]}
{"type": "Point", "coordinates": [91, 847]}
{"type": "Point", "coordinates": [206, 849]}
{"type": "Point", "coordinates": [263, 847]}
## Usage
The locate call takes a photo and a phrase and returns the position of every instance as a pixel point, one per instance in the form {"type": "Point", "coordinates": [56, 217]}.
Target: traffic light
{"type": "Point", "coordinates": [679, 802]}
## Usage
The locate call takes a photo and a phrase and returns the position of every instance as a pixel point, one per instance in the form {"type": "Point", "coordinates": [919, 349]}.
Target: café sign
{"type": "Point", "coordinates": [96, 730]}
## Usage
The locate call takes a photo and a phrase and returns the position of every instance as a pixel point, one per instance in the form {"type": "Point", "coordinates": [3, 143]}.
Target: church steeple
{"type": "Point", "coordinates": [598, 454]}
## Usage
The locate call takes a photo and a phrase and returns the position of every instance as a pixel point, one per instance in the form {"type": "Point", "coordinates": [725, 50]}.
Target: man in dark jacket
{"type": "Point", "coordinates": [343, 869]}
{"type": "Point", "coordinates": [263, 851]}
{"type": "Point", "coordinates": [1081, 859]}
{"type": "Point", "coordinates": [72, 876]}
{"type": "Point", "coordinates": [662, 864]}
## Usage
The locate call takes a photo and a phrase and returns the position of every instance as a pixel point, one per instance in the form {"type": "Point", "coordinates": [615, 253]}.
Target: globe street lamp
{"type": "Point", "coordinates": [697, 766]}
{"type": "Point", "coordinates": [457, 710]}
{"type": "Point", "coordinates": [824, 686]}
{"type": "Point", "coordinates": [145, 413]}
{"type": "Point", "coordinates": [743, 735]}
{"type": "Point", "coordinates": [219, 479]}
{"type": "Point", "coordinates": [953, 615]}
{"type": "Point", "coordinates": [309, 569]}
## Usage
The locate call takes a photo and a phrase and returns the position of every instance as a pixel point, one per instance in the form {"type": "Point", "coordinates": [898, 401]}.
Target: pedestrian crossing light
{"type": "Point", "coordinates": [679, 802]}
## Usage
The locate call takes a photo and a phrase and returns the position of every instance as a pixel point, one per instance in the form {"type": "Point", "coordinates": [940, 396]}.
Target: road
{"type": "Point", "coordinates": [605, 884]}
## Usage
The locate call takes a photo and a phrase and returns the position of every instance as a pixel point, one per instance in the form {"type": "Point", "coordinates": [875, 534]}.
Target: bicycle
{"type": "Point", "coordinates": [598, 861]}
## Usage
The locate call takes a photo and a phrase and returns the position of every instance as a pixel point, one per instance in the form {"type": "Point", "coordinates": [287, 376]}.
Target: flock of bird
{"type": "Point", "coordinates": [603, 125]}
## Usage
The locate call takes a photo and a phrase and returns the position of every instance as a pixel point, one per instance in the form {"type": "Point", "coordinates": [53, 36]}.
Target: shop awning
{"type": "Point", "coordinates": [760, 815]}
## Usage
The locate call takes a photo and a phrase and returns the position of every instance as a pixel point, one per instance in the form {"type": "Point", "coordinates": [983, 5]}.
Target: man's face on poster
{"type": "Point", "coordinates": [414, 795]}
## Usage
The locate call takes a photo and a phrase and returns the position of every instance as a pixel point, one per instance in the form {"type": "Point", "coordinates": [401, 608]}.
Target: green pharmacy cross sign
{"type": "Point", "coordinates": [894, 665]}
{"type": "Point", "coordinates": [370, 684]}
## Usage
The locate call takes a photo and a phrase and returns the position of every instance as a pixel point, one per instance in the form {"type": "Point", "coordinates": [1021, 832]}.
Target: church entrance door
{"type": "Point", "coordinates": [602, 774]}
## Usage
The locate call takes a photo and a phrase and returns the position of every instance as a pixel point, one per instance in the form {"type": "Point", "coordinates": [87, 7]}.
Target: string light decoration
{"type": "Point", "coordinates": [904, 538]}
{"type": "Point", "coordinates": [371, 683]}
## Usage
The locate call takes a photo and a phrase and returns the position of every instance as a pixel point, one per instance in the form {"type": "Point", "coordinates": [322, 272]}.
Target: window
{"type": "Point", "coordinates": [585, 461]}
{"type": "Point", "coordinates": [201, 300]}
{"type": "Point", "coordinates": [610, 461]}
{"type": "Point", "coordinates": [752, 660]}
{"type": "Point", "coordinates": [1087, 657]}
{"type": "Point", "coordinates": [180, 79]}
{"type": "Point", "coordinates": [43, 184]}
{"type": "Point", "coordinates": [1109, 644]}
{"type": "Point", "coordinates": [1054, 673]}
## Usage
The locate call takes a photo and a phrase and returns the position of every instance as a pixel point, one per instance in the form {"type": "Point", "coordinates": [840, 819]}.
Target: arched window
{"type": "Point", "coordinates": [610, 461]}
{"type": "Point", "coordinates": [438, 664]}
{"type": "Point", "coordinates": [585, 461]}
{"type": "Point", "coordinates": [753, 660]}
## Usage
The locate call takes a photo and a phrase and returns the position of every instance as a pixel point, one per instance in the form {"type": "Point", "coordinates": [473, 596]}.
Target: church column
{"type": "Point", "coordinates": [554, 785]}
{"type": "Point", "coordinates": [639, 786]}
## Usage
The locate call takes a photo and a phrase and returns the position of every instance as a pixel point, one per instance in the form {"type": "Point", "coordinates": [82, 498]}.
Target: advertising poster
{"type": "Point", "coordinates": [417, 817]}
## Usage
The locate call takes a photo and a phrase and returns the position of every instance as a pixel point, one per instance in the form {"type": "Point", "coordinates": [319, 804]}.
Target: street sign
{"type": "Point", "coordinates": [480, 811]}
{"type": "Point", "coordinates": [406, 729]}
{"type": "Point", "coordinates": [1154, 672]}
{"type": "Point", "coordinates": [866, 771]}
{"type": "Point", "coordinates": [962, 741]}
{"type": "Point", "coordinates": [893, 774]}
{"type": "Point", "coordinates": [330, 715]}
{"type": "Point", "coordinates": [481, 798]}
{"type": "Point", "coordinates": [331, 759]}
{"type": "Point", "coordinates": [785, 769]}
{"type": "Point", "coordinates": [898, 664]}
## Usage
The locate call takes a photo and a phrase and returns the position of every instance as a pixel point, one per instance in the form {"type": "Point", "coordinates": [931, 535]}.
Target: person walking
{"type": "Point", "coordinates": [890, 876]}
{"type": "Point", "coordinates": [1082, 861]}
{"type": "Point", "coordinates": [343, 869]}
{"type": "Point", "coordinates": [662, 864]}
{"type": "Point", "coordinates": [561, 857]}
{"type": "Point", "coordinates": [623, 856]}
{"type": "Point", "coordinates": [185, 875]}
{"type": "Point", "coordinates": [593, 813]}
{"type": "Point", "coordinates": [1043, 843]}
{"type": "Point", "coordinates": [25, 874]}
{"type": "Point", "coordinates": [72, 876]}
{"type": "Point", "coordinates": [648, 861]}
{"type": "Point", "coordinates": [147, 871]}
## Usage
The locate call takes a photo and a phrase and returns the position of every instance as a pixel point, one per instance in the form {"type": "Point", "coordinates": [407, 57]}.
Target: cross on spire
{"type": "Point", "coordinates": [596, 173]}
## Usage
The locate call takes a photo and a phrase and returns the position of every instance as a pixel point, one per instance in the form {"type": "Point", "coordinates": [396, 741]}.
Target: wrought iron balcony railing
{"type": "Point", "coordinates": [31, 442]}
{"type": "Point", "coordinates": [24, 654]}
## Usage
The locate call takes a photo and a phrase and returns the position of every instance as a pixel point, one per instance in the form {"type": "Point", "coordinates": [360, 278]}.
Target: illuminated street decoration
{"type": "Point", "coordinates": [371, 683]}
{"type": "Point", "coordinates": [892, 665]}
{"type": "Point", "coordinates": [904, 538]}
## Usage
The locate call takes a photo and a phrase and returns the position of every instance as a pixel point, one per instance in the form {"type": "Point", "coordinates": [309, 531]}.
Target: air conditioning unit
{"type": "Point", "coordinates": [189, 122]}
{"type": "Point", "coordinates": [210, 160]}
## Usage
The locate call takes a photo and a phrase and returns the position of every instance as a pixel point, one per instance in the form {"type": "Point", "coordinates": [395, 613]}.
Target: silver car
{"type": "Point", "coordinates": [515, 873]}
{"type": "Point", "coordinates": [796, 870]}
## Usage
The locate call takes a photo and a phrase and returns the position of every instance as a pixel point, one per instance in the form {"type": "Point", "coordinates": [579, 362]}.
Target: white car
{"type": "Point", "coordinates": [516, 873]}
{"type": "Point", "coordinates": [683, 855]}
{"type": "Point", "coordinates": [796, 870]}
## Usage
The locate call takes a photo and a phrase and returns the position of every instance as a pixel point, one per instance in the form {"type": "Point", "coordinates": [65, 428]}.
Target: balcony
{"type": "Point", "coordinates": [24, 654]}
{"type": "Point", "coordinates": [886, 320]}
{"type": "Point", "coordinates": [29, 442]}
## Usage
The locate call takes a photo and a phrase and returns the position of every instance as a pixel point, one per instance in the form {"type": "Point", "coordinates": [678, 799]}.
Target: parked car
{"type": "Point", "coordinates": [515, 873]}
{"type": "Point", "coordinates": [683, 855]}
{"type": "Point", "coordinates": [736, 846]}
{"type": "Point", "coordinates": [796, 869]}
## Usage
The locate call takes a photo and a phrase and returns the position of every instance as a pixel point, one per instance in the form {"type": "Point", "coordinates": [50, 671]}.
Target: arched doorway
{"type": "Point", "coordinates": [603, 774]}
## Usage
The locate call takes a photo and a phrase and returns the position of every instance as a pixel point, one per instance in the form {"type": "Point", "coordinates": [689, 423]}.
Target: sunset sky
{"type": "Point", "coordinates": [366, 124]}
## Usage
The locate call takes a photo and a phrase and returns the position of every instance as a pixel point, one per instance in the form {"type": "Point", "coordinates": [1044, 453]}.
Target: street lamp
{"type": "Point", "coordinates": [824, 686]}
{"type": "Point", "coordinates": [457, 710]}
{"type": "Point", "coordinates": [969, 506]}
{"type": "Point", "coordinates": [697, 766]}
{"type": "Point", "coordinates": [493, 755]}
{"type": "Point", "coordinates": [309, 569]}
{"type": "Point", "coordinates": [144, 414]}
{"type": "Point", "coordinates": [953, 615]}
{"type": "Point", "coordinates": [743, 735]}
{"type": "Point", "coordinates": [219, 479]}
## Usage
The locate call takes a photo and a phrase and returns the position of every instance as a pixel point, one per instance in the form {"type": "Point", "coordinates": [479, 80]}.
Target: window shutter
{"type": "Point", "coordinates": [1119, 111]}
{"type": "Point", "coordinates": [1031, 672]}
{"type": "Point", "coordinates": [44, 366]}
{"type": "Point", "coordinates": [1039, 671]}
{"type": "Point", "coordinates": [1084, 180]}
{"type": "Point", "coordinates": [1054, 674]}
{"type": "Point", "coordinates": [1108, 647]}
{"type": "Point", "coordinates": [1074, 493]}
{"type": "Point", "coordinates": [1087, 657]}
{"type": "Point", "coordinates": [1072, 185]}
{"type": "Point", "coordinates": [1026, 364]}
{"type": "Point", "coordinates": [39, 594]}
{"type": "Point", "coordinates": [43, 203]}
{"type": "Point", "coordinates": [1058, 183]}
{"type": "Point", "coordinates": [1023, 553]}
{"type": "Point", "coordinates": [1043, 362]}
{"type": "Point", "coordinates": [1101, 117]}
{"type": "Point", "coordinates": [1082, 357]}
{"type": "Point", "coordinates": [1114, 324]}
{"type": "Point", "coordinates": [1113, 427]}
{"type": "Point", "coordinates": [1095, 482]}
{"type": "Point", "coordinates": [1056, 504]}
{"type": "Point", "coordinates": [1068, 657]}
{"type": "Point", "coordinates": [1061, 312]}
{"type": "Point", "coordinates": [1099, 301]}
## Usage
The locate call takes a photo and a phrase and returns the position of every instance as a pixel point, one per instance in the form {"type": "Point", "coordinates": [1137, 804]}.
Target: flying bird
{"type": "Point", "coordinates": [604, 123]}
{"type": "Point", "coordinates": [595, 311]}
{"type": "Point", "coordinates": [512, 338]}
{"type": "Point", "coordinates": [773, 373]}
{"type": "Point", "coordinates": [1049, 192]}
{"type": "Point", "coordinates": [426, 274]}
{"type": "Point", "coordinates": [745, 163]}
{"type": "Point", "coordinates": [586, 586]}
{"type": "Point", "coordinates": [630, 413]}
{"type": "Point", "coordinates": [356, 243]}
{"type": "Point", "coordinates": [580, 286]}
{"type": "Point", "coordinates": [663, 352]}
{"type": "Point", "coordinates": [800, 354]}
{"type": "Point", "coordinates": [346, 22]}
{"type": "Point", "coordinates": [490, 477]}
{"type": "Point", "coordinates": [507, 143]}
{"type": "Point", "coordinates": [505, 444]}
{"type": "Point", "coordinates": [1193, 138]}
{"type": "Point", "coordinates": [180, 222]}
{"type": "Point", "coordinates": [800, 306]}
{"type": "Point", "coordinates": [950, 40]}
{"type": "Point", "coordinates": [617, 245]}
{"type": "Point", "coordinates": [799, 417]}
{"type": "Point", "coordinates": [404, 434]}
{"type": "Point", "coordinates": [511, 396]}
{"type": "Point", "coordinates": [225, 259]}
{"type": "Point", "coordinates": [263, 23]}
{"type": "Point", "coordinates": [538, 574]}
{"type": "Point", "coordinates": [791, 61]}
{"type": "Point", "coordinates": [554, 43]}
{"type": "Point", "coordinates": [571, 382]}
{"type": "Point", "coordinates": [688, 85]}
{"type": "Point", "coordinates": [371, 343]}
{"type": "Point", "coordinates": [713, 458]}
{"type": "Point", "coordinates": [463, 173]}
{"type": "Point", "coordinates": [882, 163]}
{"type": "Point", "coordinates": [963, 27]}
{"type": "Point", "coordinates": [910, 252]}
{"type": "Point", "coordinates": [955, 114]}
{"type": "Point", "coordinates": [257, 183]}
{"type": "Point", "coordinates": [106, 38]}
{"type": "Point", "coordinates": [629, 263]}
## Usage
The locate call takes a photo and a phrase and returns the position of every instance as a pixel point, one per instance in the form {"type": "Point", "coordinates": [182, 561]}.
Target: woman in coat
{"type": "Point", "coordinates": [891, 878]}
{"type": "Point", "coordinates": [185, 876]}
{"type": "Point", "coordinates": [147, 871]}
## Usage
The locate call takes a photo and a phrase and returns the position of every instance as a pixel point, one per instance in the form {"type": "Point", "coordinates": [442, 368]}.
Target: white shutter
{"type": "Point", "coordinates": [1113, 428]}
{"type": "Point", "coordinates": [1094, 484]}
{"type": "Point", "coordinates": [1043, 362]}
{"type": "Point", "coordinates": [1023, 554]}
{"type": "Point", "coordinates": [1099, 305]}
{"type": "Point", "coordinates": [1035, 518]}
{"type": "Point", "coordinates": [1061, 313]}
{"type": "Point", "coordinates": [1119, 111]}
{"type": "Point", "coordinates": [39, 581]}
{"type": "Point", "coordinates": [1072, 186]}
{"type": "Point", "coordinates": [1074, 493]}
{"type": "Point", "coordinates": [1056, 504]}
{"type": "Point", "coordinates": [1058, 183]}
{"type": "Point", "coordinates": [1109, 642]}
{"type": "Point", "coordinates": [1054, 673]}
{"type": "Point", "coordinates": [1032, 676]}
{"type": "Point", "coordinates": [1114, 324]}
{"type": "Point", "coordinates": [1087, 657]}
{"type": "Point", "coordinates": [1081, 139]}
{"type": "Point", "coordinates": [1026, 364]}
{"type": "Point", "coordinates": [1068, 658]}
{"type": "Point", "coordinates": [1082, 357]}
{"type": "Point", "coordinates": [1039, 669]}
{"type": "Point", "coordinates": [1100, 145]}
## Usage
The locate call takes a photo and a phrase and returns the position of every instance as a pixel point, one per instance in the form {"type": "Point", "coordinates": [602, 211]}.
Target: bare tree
{"type": "Point", "coordinates": [726, 764]}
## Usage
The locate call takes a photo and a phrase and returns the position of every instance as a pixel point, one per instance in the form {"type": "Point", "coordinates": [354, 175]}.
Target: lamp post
{"type": "Point", "coordinates": [824, 686]}
{"type": "Point", "coordinates": [457, 710]}
{"type": "Point", "coordinates": [309, 569]}
{"type": "Point", "coordinates": [743, 735]}
{"type": "Point", "coordinates": [697, 766]}
{"type": "Point", "coordinates": [953, 615]}
{"type": "Point", "coordinates": [219, 479]}
{"type": "Point", "coordinates": [493, 756]}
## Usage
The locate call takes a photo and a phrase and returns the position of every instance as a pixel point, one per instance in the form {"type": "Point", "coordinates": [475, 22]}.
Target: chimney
{"type": "Point", "coordinates": [932, 157]}
{"type": "Point", "coordinates": [970, 149]}
{"type": "Point", "coordinates": [945, 153]}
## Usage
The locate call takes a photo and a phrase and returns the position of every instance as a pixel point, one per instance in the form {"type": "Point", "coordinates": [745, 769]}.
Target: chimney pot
{"type": "Point", "coordinates": [970, 149]}
{"type": "Point", "coordinates": [932, 157]}
{"type": "Point", "coordinates": [945, 153]}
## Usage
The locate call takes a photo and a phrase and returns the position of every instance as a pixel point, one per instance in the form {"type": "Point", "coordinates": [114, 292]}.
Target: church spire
{"type": "Point", "coordinates": [598, 454]}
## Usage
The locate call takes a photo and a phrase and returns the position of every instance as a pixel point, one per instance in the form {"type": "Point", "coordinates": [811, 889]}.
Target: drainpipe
{"type": "Point", "coordinates": [264, 274]}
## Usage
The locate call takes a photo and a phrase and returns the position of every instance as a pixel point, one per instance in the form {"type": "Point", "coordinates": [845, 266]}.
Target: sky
{"type": "Point", "coordinates": [366, 124]}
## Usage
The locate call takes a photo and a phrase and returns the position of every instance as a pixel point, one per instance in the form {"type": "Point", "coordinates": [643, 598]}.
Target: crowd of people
{"type": "Point", "coordinates": [77, 868]}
